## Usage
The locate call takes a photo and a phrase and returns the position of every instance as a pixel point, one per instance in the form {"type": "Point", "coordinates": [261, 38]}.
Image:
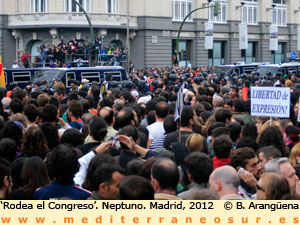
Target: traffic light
{"type": "Point", "coordinates": [175, 61]}
{"type": "Point", "coordinates": [217, 8]}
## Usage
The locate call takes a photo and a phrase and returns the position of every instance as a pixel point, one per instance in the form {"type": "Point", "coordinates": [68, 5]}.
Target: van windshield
{"type": "Point", "coordinates": [219, 69]}
{"type": "Point", "coordinates": [262, 70]}
{"type": "Point", "coordinates": [49, 75]}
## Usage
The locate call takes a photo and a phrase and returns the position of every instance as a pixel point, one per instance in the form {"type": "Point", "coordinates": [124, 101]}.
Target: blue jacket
{"type": "Point", "coordinates": [56, 190]}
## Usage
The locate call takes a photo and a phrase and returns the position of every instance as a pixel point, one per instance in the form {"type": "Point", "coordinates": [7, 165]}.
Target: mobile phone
{"type": "Point", "coordinates": [242, 170]}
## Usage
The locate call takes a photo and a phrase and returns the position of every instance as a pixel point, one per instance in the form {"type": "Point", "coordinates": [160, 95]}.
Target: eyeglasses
{"type": "Point", "coordinates": [258, 187]}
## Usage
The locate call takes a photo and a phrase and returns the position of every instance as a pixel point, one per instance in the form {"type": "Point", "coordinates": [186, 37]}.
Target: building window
{"type": "Point", "coordinates": [73, 7]}
{"type": "Point", "coordinates": [249, 55]}
{"type": "Point", "coordinates": [222, 17]}
{"type": "Point", "coordinates": [216, 56]}
{"type": "Point", "coordinates": [39, 6]}
{"type": "Point", "coordinates": [113, 6]}
{"type": "Point", "coordinates": [250, 12]}
{"type": "Point", "coordinates": [279, 16]}
{"type": "Point", "coordinates": [279, 55]}
{"type": "Point", "coordinates": [181, 8]}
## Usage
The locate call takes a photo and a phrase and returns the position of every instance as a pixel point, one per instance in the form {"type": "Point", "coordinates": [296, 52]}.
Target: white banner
{"type": "Point", "coordinates": [179, 102]}
{"type": "Point", "coordinates": [273, 38]}
{"type": "Point", "coordinates": [209, 35]}
{"type": "Point", "coordinates": [243, 36]}
{"type": "Point", "coordinates": [298, 39]}
{"type": "Point", "coordinates": [270, 102]}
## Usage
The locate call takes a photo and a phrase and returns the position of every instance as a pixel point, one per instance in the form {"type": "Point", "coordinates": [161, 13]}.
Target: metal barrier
{"type": "Point", "coordinates": [77, 60]}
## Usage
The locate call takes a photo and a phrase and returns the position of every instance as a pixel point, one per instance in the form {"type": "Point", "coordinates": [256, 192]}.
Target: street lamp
{"type": "Point", "coordinates": [216, 13]}
{"type": "Point", "coordinates": [92, 39]}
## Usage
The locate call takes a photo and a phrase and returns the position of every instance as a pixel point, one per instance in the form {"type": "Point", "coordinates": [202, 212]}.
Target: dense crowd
{"type": "Point", "coordinates": [77, 53]}
{"type": "Point", "coordinates": [122, 141]}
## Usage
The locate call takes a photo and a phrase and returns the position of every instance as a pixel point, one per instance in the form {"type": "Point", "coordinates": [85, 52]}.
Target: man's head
{"type": "Point", "coordinates": [136, 188]}
{"type": "Point", "coordinates": [49, 114]}
{"type": "Point", "coordinates": [222, 146]}
{"type": "Point", "coordinates": [108, 115]}
{"type": "Point", "coordinates": [5, 179]}
{"type": "Point", "coordinates": [16, 106]}
{"type": "Point", "coordinates": [129, 131]}
{"type": "Point", "coordinates": [169, 124]}
{"type": "Point", "coordinates": [126, 116]}
{"type": "Point", "coordinates": [247, 159]}
{"type": "Point", "coordinates": [73, 84]}
{"type": "Point", "coordinates": [265, 154]}
{"type": "Point", "coordinates": [218, 101]}
{"type": "Point", "coordinates": [59, 94]}
{"type": "Point", "coordinates": [199, 167]}
{"type": "Point", "coordinates": [75, 110]}
{"type": "Point", "coordinates": [62, 164]}
{"type": "Point", "coordinates": [282, 166]}
{"type": "Point", "coordinates": [161, 110]}
{"type": "Point", "coordinates": [106, 180]}
{"type": "Point", "coordinates": [31, 112]}
{"type": "Point", "coordinates": [98, 129]}
{"type": "Point", "coordinates": [188, 116]}
{"type": "Point", "coordinates": [224, 180]}
{"type": "Point", "coordinates": [223, 115]}
{"type": "Point", "coordinates": [165, 176]}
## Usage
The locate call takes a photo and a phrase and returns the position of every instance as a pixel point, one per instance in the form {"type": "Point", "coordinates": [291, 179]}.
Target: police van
{"type": "Point", "coordinates": [33, 75]}
{"type": "Point", "coordinates": [285, 68]}
{"type": "Point", "coordinates": [235, 69]}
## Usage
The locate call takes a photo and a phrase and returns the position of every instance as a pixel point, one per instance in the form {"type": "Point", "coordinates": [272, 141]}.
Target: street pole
{"type": "Point", "coordinates": [92, 39]}
{"type": "Point", "coordinates": [216, 9]}
{"type": "Point", "coordinates": [181, 25]}
{"type": "Point", "coordinates": [127, 38]}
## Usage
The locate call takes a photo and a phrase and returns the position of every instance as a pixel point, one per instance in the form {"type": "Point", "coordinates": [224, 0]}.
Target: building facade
{"type": "Point", "coordinates": [153, 26]}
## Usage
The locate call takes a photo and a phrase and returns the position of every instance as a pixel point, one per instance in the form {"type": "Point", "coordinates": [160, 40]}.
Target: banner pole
{"type": "Point", "coordinates": [271, 121]}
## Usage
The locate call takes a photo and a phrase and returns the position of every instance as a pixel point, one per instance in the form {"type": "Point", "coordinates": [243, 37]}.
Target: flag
{"type": "Point", "coordinates": [2, 76]}
{"type": "Point", "coordinates": [245, 93]}
{"type": "Point", "coordinates": [179, 102]}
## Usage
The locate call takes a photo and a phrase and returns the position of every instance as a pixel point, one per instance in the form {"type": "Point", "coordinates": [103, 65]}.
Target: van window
{"type": "Point", "coordinates": [248, 70]}
{"type": "Point", "coordinates": [236, 70]}
{"type": "Point", "coordinates": [292, 70]}
{"type": "Point", "coordinates": [69, 76]}
{"type": "Point", "coordinates": [116, 75]}
{"type": "Point", "coordinates": [91, 76]}
{"type": "Point", "coordinates": [21, 77]}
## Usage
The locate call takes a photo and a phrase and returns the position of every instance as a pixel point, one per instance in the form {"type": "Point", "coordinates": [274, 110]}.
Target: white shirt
{"type": "Point", "coordinates": [15, 66]}
{"type": "Point", "coordinates": [156, 130]}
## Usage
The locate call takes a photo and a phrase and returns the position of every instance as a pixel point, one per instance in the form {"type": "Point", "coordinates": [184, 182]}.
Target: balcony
{"type": "Point", "coordinates": [69, 20]}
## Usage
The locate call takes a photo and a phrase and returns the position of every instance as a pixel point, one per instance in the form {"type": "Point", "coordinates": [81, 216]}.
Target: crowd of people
{"type": "Point", "coordinates": [122, 141]}
{"type": "Point", "coordinates": [77, 53]}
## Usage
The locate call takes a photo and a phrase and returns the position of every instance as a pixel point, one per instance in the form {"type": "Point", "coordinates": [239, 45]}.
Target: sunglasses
{"type": "Point", "coordinates": [258, 187]}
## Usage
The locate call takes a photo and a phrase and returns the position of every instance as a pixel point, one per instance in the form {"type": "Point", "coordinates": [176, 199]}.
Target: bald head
{"type": "Point", "coordinates": [166, 173]}
{"type": "Point", "coordinates": [108, 115]}
{"type": "Point", "coordinates": [227, 176]}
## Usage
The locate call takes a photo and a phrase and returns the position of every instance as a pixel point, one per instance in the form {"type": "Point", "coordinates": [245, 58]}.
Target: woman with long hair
{"type": "Point", "coordinates": [295, 155]}
{"type": "Point", "coordinates": [34, 143]}
{"type": "Point", "coordinates": [34, 175]}
{"type": "Point", "coordinates": [272, 186]}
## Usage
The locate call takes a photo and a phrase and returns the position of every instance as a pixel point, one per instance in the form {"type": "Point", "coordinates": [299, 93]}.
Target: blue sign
{"type": "Point", "coordinates": [293, 55]}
